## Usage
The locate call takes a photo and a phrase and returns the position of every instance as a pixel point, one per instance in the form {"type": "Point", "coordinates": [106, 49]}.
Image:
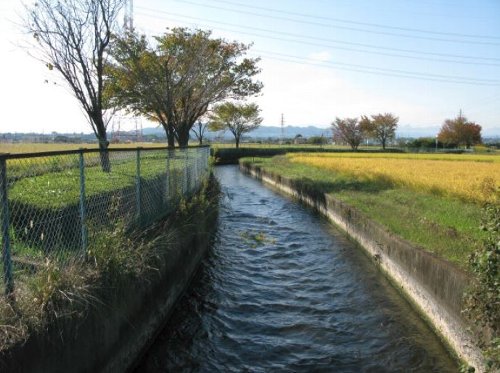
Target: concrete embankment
{"type": "Point", "coordinates": [115, 332]}
{"type": "Point", "coordinates": [434, 286]}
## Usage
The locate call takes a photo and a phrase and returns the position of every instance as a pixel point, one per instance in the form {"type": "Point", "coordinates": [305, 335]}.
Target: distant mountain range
{"type": "Point", "coordinates": [289, 132]}
{"type": "Point", "coordinates": [264, 132]}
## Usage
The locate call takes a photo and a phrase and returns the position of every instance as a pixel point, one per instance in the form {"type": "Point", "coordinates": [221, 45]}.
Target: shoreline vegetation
{"type": "Point", "coordinates": [116, 261]}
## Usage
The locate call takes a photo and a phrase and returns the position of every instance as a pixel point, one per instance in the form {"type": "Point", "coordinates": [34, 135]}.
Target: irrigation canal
{"type": "Point", "coordinates": [281, 290]}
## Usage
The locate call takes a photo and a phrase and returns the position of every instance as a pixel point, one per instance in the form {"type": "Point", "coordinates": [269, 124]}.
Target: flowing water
{"type": "Point", "coordinates": [282, 290]}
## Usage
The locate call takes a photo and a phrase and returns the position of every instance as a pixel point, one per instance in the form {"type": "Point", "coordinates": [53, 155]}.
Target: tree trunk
{"type": "Point", "coordinates": [171, 139]}
{"type": "Point", "coordinates": [383, 144]}
{"type": "Point", "coordinates": [103, 140]}
{"type": "Point", "coordinates": [237, 138]}
{"type": "Point", "coordinates": [183, 136]}
{"type": "Point", "coordinates": [104, 154]}
{"type": "Point", "coordinates": [169, 132]}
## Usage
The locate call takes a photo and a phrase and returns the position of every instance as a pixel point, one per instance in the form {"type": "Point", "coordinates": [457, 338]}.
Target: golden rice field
{"type": "Point", "coordinates": [469, 177]}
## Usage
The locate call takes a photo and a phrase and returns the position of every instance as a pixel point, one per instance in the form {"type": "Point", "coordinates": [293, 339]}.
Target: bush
{"type": "Point", "coordinates": [232, 155]}
{"type": "Point", "coordinates": [482, 302]}
{"type": "Point", "coordinates": [317, 140]}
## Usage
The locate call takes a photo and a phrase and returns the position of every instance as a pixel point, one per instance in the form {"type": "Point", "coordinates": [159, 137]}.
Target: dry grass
{"type": "Point", "coordinates": [473, 178]}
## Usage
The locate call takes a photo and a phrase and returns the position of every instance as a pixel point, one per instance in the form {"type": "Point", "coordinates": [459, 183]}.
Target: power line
{"type": "Point", "coordinates": [379, 71]}
{"type": "Point", "coordinates": [473, 59]}
{"type": "Point", "coordinates": [376, 25]}
{"type": "Point", "coordinates": [363, 68]}
{"type": "Point", "coordinates": [340, 27]}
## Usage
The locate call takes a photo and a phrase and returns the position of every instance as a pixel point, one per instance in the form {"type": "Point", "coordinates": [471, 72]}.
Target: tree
{"type": "Point", "coordinates": [237, 118]}
{"type": "Point", "coordinates": [72, 37]}
{"type": "Point", "coordinates": [199, 130]}
{"type": "Point", "coordinates": [381, 127]}
{"type": "Point", "coordinates": [460, 131]}
{"type": "Point", "coordinates": [317, 140]}
{"type": "Point", "coordinates": [180, 77]}
{"type": "Point", "coordinates": [348, 130]}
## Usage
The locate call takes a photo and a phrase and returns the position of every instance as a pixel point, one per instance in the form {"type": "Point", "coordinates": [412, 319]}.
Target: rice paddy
{"type": "Point", "coordinates": [470, 177]}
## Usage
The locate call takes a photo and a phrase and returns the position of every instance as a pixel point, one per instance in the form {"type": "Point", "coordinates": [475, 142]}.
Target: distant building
{"type": "Point", "coordinates": [298, 140]}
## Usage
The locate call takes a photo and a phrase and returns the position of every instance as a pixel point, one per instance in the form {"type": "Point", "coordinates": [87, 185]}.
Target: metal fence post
{"type": "Point", "coordinates": [138, 185]}
{"type": "Point", "coordinates": [167, 179]}
{"type": "Point", "coordinates": [4, 205]}
{"type": "Point", "coordinates": [207, 161]}
{"type": "Point", "coordinates": [186, 170]}
{"type": "Point", "coordinates": [196, 167]}
{"type": "Point", "coordinates": [83, 210]}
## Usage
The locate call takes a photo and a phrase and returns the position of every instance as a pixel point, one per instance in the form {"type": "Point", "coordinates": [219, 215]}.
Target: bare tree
{"type": "Point", "coordinates": [73, 37]}
{"type": "Point", "coordinates": [348, 130]}
{"type": "Point", "coordinates": [199, 130]}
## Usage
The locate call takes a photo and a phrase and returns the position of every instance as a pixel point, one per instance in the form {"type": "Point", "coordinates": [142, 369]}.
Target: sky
{"type": "Point", "coordinates": [422, 60]}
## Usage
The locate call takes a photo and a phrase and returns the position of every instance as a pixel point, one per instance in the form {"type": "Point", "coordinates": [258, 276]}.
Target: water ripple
{"type": "Point", "coordinates": [281, 291]}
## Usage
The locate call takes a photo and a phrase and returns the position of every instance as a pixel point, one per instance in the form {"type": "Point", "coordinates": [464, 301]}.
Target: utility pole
{"type": "Point", "coordinates": [128, 19]}
{"type": "Point", "coordinates": [282, 128]}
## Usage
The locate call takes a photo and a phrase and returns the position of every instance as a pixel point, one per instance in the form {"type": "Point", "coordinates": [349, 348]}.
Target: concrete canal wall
{"type": "Point", "coordinates": [434, 286]}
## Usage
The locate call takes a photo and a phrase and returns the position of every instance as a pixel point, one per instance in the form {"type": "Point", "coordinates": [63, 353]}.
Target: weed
{"type": "Point", "coordinates": [257, 239]}
{"type": "Point", "coordinates": [482, 301]}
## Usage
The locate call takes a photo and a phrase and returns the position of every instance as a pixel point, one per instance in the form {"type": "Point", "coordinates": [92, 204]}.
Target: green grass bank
{"type": "Point", "coordinates": [446, 227]}
{"type": "Point", "coordinates": [432, 284]}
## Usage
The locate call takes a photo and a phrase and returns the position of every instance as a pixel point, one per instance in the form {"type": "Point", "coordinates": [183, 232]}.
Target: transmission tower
{"type": "Point", "coordinates": [138, 130]}
{"type": "Point", "coordinates": [115, 133]}
{"type": "Point", "coordinates": [128, 19]}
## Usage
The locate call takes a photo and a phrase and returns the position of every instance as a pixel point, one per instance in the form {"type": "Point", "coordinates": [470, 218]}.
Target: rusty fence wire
{"type": "Point", "coordinates": [55, 204]}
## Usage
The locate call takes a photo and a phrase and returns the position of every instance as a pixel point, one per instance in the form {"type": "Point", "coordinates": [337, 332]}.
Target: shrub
{"type": "Point", "coordinates": [482, 301]}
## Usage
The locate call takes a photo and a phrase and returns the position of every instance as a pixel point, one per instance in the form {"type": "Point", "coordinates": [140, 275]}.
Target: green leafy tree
{"type": "Point", "coordinates": [348, 130]}
{"type": "Point", "coordinates": [381, 127]}
{"type": "Point", "coordinates": [72, 37]}
{"type": "Point", "coordinates": [180, 77]}
{"type": "Point", "coordinates": [460, 131]}
{"type": "Point", "coordinates": [138, 81]}
{"type": "Point", "coordinates": [237, 118]}
{"type": "Point", "coordinates": [317, 140]}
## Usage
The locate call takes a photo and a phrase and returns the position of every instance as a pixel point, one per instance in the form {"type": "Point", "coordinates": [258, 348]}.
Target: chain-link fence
{"type": "Point", "coordinates": [55, 205]}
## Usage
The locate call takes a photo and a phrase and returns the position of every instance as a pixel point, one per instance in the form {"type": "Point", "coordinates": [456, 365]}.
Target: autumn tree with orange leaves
{"type": "Point", "coordinates": [460, 131]}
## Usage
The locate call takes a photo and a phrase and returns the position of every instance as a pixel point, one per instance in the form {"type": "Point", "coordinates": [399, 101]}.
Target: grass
{"type": "Point", "coordinates": [71, 287]}
{"type": "Point", "coordinates": [55, 190]}
{"type": "Point", "coordinates": [39, 147]}
{"type": "Point", "coordinates": [444, 225]}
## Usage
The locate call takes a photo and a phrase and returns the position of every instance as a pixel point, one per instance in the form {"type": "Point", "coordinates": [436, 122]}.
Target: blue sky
{"type": "Point", "coordinates": [422, 60]}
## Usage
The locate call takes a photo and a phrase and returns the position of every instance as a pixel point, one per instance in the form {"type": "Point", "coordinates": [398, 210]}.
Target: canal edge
{"type": "Point", "coordinates": [432, 285]}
